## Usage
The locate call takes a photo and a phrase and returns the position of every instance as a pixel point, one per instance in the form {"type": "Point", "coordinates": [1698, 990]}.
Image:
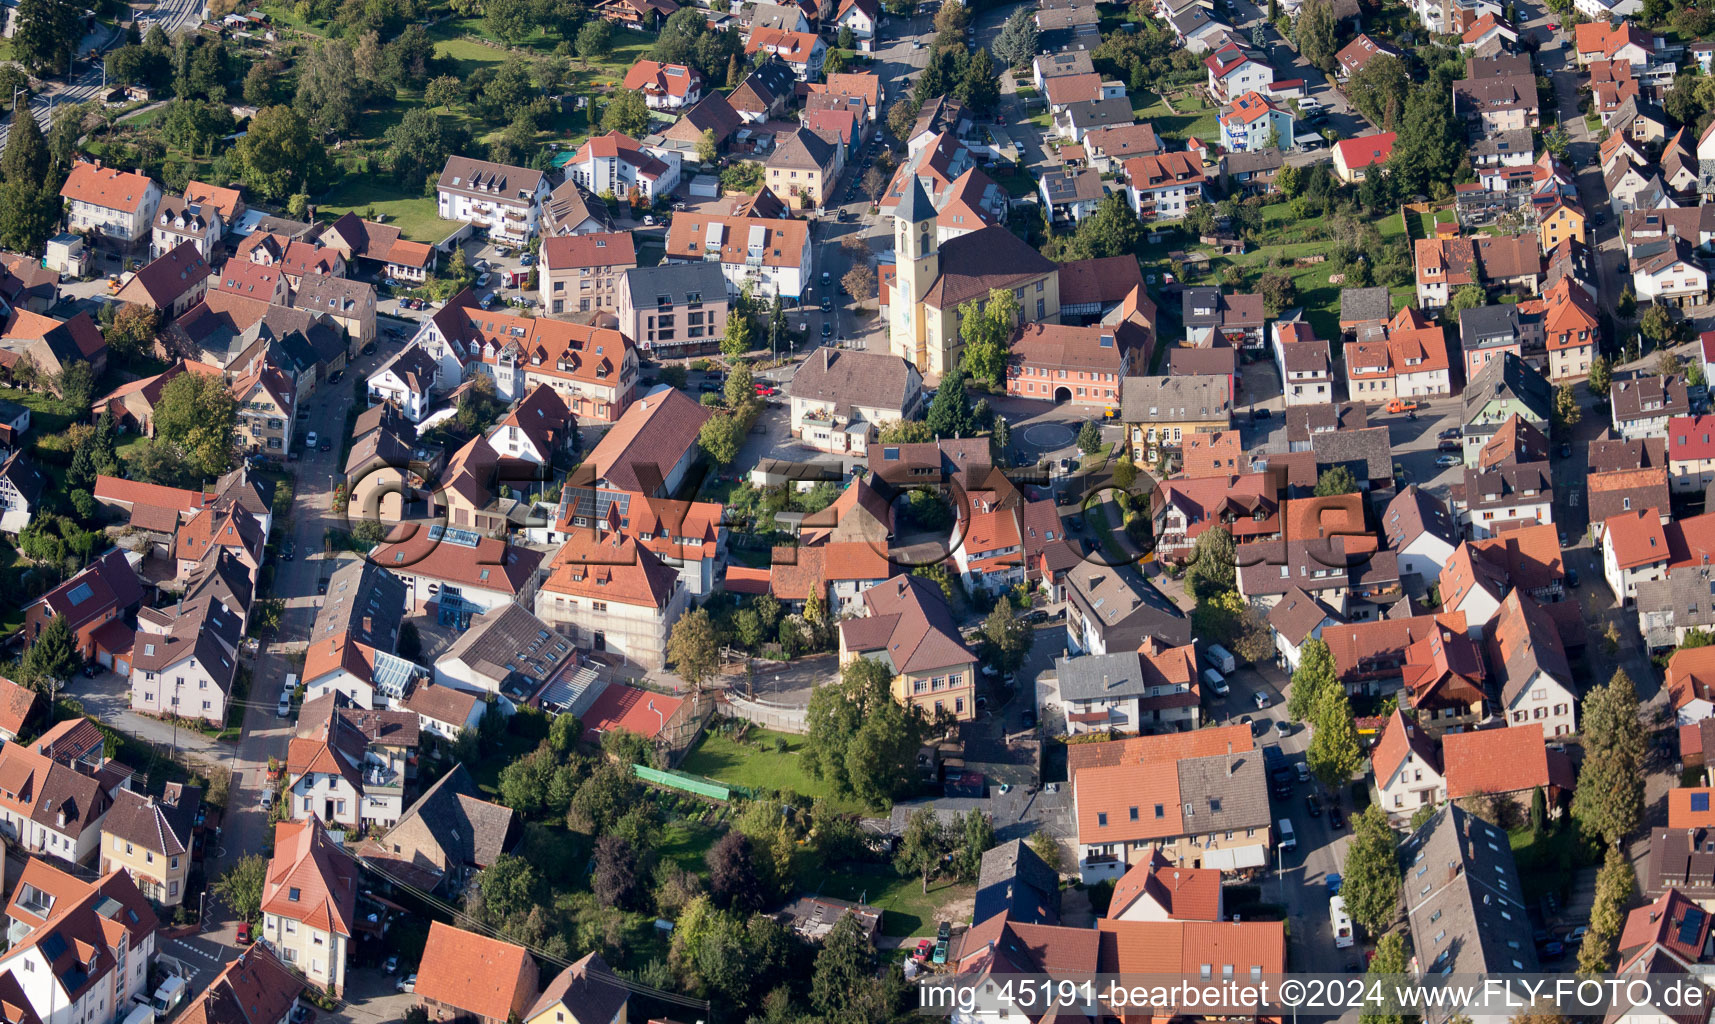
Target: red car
{"type": "Point", "coordinates": [924, 948]}
{"type": "Point", "coordinates": [767, 390]}
{"type": "Point", "coordinates": [244, 936]}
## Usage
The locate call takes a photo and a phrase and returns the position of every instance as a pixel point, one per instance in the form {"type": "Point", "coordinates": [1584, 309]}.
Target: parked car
{"type": "Point", "coordinates": [310, 439]}
{"type": "Point", "coordinates": [827, 329]}
{"type": "Point", "coordinates": [1572, 577]}
{"type": "Point", "coordinates": [1335, 820]}
{"type": "Point", "coordinates": [924, 948]}
{"type": "Point", "coordinates": [766, 390]}
{"type": "Point", "coordinates": [1313, 805]}
{"type": "Point", "coordinates": [406, 984]}
{"type": "Point", "coordinates": [1448, 446]}
{"type": "Point", "coordinates": [827, 303]}
{"type": "Point", "coordinates": [1260, 698]}
{"type": "Point", "coordinates": [391, 964]}
{"type": "Point", "coordinates": [482, 282]}
{"type": "Point", "coordinates": [1449, 460]}
{"type": "Point", "coordinates": [1450, 432]}
{"type": "Point", "coordinates": [1333, 882]}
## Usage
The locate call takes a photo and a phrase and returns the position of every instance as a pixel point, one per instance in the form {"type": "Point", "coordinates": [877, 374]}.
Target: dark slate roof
{"type": "Point", "coordinates": [1361, 304]}
{"type": "Point", "coordinates": [1014, 881]}
{"type": "Point", "coordinates": [1461, 883]}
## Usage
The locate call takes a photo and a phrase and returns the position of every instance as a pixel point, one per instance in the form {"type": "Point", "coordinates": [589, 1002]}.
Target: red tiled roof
{"type": "Point", "coordinates": [484, 977]}
{"type": "Point", "coordinates": [626, 707]}
{"type": "Point", "coordinates": [1501, 761]}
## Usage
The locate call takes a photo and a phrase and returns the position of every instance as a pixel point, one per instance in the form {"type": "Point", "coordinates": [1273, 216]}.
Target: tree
{"type": "Point", "coordinates": [510, 21]}
{"type": "Point", "coordinates": [1468, 296]}
{"type": "Point", "coordinates": [279, 156]}
{"type": "Point", "coordinates": [595, 40]}
{"type": "Point", "coordinates": [860, 281]}
{"type": "Point", "coordinates": [240, 886]}
{"type": "Point", "coordinates": [26, 156]}
{"type": "Point", "coordinates": [1124, 469]}
{"type": "Point", "coordinates": [694, 651]}
{"type": "Point", "coordinates": [979, 85]}
{"type": "Point", "coordinates": [737, 340]}
{"type": "Point", "coordinates": [1317, 34]}
{"type": "Point", "coordinates": [901, 118]}
{"type": "Point", "coordinates": [409, 57]}
{"type": "Point", "coordinates": [923, 845]}
{"type": "Point", "coordinates": [1113, 230]}
{"type": "Point", "coordinates": [1336, 480]}
{"type": "Point", "coordinates": [444, 91]}
{"type": "Point", "coordinates": [53, 656]}
{"type": "Point", "coordinates": [1609, 800]}
{"type": "Point", "coordinates": [1429, 144]}
{"type": "Point", "coordinates": [195, 126]}
{"type": "Point", "coordinates": [627, 113]}
{"type": "Point", "coordinates": [708, 148]}
{"type": "Point", "coordinates": [419, 145]}
{"type": "Point", "coordinates": [1006, 635]}
{"type": "Point", "coordinates": [1616, 884]}
{"type": "Point", "coordinates": [721, 437]}
{"type": "Point", "coordinates": [1566, 411]}
{"type": "Point", "coordinates": [328, 86]}
{"type": "Point", "coordinates": [1371, 873]}
{"type": "Point", "coordinates": [977, 839]}
{"type": "Point", "coordinates": [1657, 325]}
{"type": "Point", "coordinates": [28, 215]}
{"type": "Point", "coordinates": [1046, 847]}
{"type": "Point", "coordinates": [75, 384]}
{"type": "Point", "coordinates": [1279, 291]}
{"type": "Point", "coordinates": [196, 415]}
{"type": "Point", "coordinates": [987, 333]}
{"type": "Point", "coordinates": [615, 881]}
{"type": "Point", "coordinates": [1016, 42]}
{"type": "Point", "coordinates": [47, 33]}
{"type": "Point", "coordinates": [953, 18]}
{"type": "Point", "coordinates": [1334, 752]}
{"type": "Point", "coordinates": [1391, 958]}
{"type": "Point", "coordinates": [950, 410]}
{"type": "Point", "coordinates": [1538, 811]}
{"type": "Point", "coordinates": [740, 386]}
{"type": "Point", "coordinates": [1601, 378]}
{"type": "Point", "coordinates": [847, 39]}
{"type": "Point", "coordinates": [906, 432]}
{"type": "Point", "coordinates": [1669, 364]}
{"type": "Point", "coordinates": [734, 881]}
{"type": "Point", "coordinates": [1314, 677]}
{"type": "Point", "coordinates": [862, 741]}
{"type": "Point", "coordinates": [1089, 438]}
{"type": "Point", "coordinates": [844, 987]}
{"type": "Point", "coordinates": [1213, 565]}
{"type": "Point", "coordinates": [1379, 88]}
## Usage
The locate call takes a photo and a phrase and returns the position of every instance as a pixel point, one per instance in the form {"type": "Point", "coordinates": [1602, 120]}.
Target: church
{"type": "Point", "coordinates": [931, 279]}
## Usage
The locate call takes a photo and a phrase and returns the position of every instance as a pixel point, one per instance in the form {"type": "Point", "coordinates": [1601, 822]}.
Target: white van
{"type": "Point", "coordinates": [285, 708]}
{"type": "Point", "coordinates": [168, 997]}
{"type": "Point", "coordinates": [1288, 838]}
{"type": "Point", "coordinates": [1219, 657]}
{"type": "Point", "coordinates": [1341, 921]}
{"type": "Point", "coordinates": [1215, 682]}
{"type": "Point", "coordinates": [141, 1013]}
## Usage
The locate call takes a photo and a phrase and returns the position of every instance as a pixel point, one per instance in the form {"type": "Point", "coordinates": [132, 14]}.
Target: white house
{"type": "Point", "coordinates": [503, 201]}
{"type": "Point", "coordinates": [617, 164]}
{"type": "Point", "coordinates": [21, 486]}
{"type": "Point", "coordinates": [1253, 121]}
{"type": "Point", "coordinates": [80, 950]}
{"type": "Point", "coordinates": [1634, 548]}
{"type": "Point", "coordinates": [1536, 680]}
{"type": "Point", "coordinates": [445, 711]}
{"type": "Point", "coordinates": [1297, 619]}
{"type": "Point", "coordinates": [1667, 272]}
{"type": "Point", "coordinates": [771, 256]}
{"type": "Point", "coordinates": [184, 664]}
{"type": "Point", "coordinates": [108, 202]}
{"type": "Point", "coordinates": [1305, 363]}
{"type": "Point", "coordinates": [861, 16]}
{"type": "Point", "coordinates": [1152, 690]}
{"type": "Point", "coordinates": [1234, 71]}
{"type": "Point", "coordinates": [1408, 771]}
{"type": "Point", "coordinates": [1164, 186]}
{"type": "Point", "coordinates": [409, 380]}
{"type": "Point", "coordinates": [1420, 531]}
{"type": "Point", "coordinates": [665, 86]}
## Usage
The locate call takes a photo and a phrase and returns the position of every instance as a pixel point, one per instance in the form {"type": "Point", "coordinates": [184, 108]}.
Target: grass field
{"type": "Point", "coordinates": [415, 216]}
{"type": "Point", "coordinates": [686, 842]}
{"type": "Point", "coordinates": [1319, 297]}
{"type": "Point", "coordinates": [757, 765]}
{"type": "Point", "coordinates": [909, 910]}
{"type": "Point", "coordinates": [1190, 116]}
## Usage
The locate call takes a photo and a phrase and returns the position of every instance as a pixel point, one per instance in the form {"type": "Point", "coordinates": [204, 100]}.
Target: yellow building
{"type": "Point", "coordinates": [907, 627]}
{"type": "Point", "coordinates": [1565, 221]}
{"type": "Point", "coordinates": [1160, 411]}
{"type": "Point", "coordinates": [149, 838]}
{"type": "Point", "coordinates": [929, 281]}
{"type": "Point", "coordinates": [802, 170]}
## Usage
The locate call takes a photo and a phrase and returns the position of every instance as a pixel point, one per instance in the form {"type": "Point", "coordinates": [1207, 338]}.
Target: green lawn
{"type": "Point", "coordinates": [756, 764]}
{"type": "Point", "coordinates": [686, 842]}
{"type": "Point", "coordinates": [1190, 116]}
{"type": "Point", "coordinates": [1017, 183]}
{"type": "Point", "coordinates": [909, 911]}
{"type": "Point", "coordinates": [1547, 863]}
{"type": "Point", "coordinates": [48, 414]}
{"type": "Point", "coordinates": [1280, 236]}
{"type": "Point", "coordinates": [415, 216]}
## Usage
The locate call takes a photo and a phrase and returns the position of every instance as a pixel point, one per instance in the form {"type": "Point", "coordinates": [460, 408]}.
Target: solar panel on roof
{"type": "Point", "coordinates": [1700, 801]}
{"type": "Point", "coordinates": [1691, 925]}
{"type": "Point", "coordinates": [79, 594]}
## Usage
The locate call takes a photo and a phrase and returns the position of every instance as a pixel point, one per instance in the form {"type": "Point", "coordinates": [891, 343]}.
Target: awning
{"type": "Point", "coordinates": [1233, 858]}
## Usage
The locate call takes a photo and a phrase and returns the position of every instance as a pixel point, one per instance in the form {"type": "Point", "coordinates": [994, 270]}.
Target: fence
{"type": "Point", "coordinates": [779, 717]}
{"type": "Point", "coordinates": [694, 784]}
